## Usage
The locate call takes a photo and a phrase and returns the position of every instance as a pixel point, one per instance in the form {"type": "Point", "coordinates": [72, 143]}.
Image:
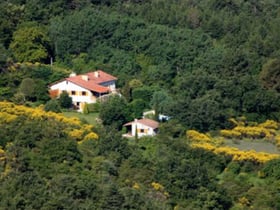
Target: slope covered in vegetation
{"type": "Point", "coordinates": [45, 164]}
{"type": "Point", "coordinates": [215, 59]}
{"type": "Point", "coordinates": [200, 62]}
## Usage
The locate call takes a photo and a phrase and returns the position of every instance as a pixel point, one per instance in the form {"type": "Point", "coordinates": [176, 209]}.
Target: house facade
{"type": "Point", "coordinates": [85, 88]}
{"type": "Point", "coordinates": [143, 127]}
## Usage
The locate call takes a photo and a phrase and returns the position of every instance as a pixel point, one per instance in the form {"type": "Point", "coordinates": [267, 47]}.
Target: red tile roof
{"type": "Point", "coordinates": [93, 81]}
{"type": "Point", "coordinates": [100, 76]}
{"type": "Point", "coordinates": [148, 122]}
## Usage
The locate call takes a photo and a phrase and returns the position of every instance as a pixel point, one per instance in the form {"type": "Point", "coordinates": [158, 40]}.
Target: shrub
{"type": "Point", "coordinates": [94, 107]}
{"type": "Point", "coordinates": [230, 134]}
{"type": "Point", "coordinates": [53, 106]}
{"type": "Point", "coordinates": [196, 136]}
{"type": "Point", "coordinates": [85, 109]}
{"type": "Point", "coordinates": [234, 167]}
{"type": "Point", "coordinates": [272, 169]}
{"type": "Point", "coordinates": [65, 100]}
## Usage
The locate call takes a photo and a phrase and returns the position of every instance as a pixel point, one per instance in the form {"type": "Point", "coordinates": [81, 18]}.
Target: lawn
{"type": "Point", "coordinates": [258, 145]}
{"type": "Point", "coordinates": [91, 118]}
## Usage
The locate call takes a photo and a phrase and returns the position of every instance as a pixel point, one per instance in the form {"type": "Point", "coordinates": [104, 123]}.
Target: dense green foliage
{"type": "Point", "coordinates": [215, 59]}
{"type": "Point", "coordinates": [42, 167]}
{"type": "Point", "coordinates": [114, 111]}
{"type": "Point", "coordinates": [199, 62]}
{"type": "Point", "coordinates": [65, 100]}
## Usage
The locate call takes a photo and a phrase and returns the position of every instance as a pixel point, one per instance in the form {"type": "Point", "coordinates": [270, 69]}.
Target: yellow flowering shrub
{"type": "Point", "coordinates": [263, 130]}
{"type": "Point", "coordinates": [90, 136]}
{"type": "Point", "coordinates": [2, 155]}
{"type": "Point", "coordinates": [234, 121]}
{"type": "Point", "coordinates": [196, 136]}
{"type": "Point", "coordinates": [72, 126]}
{"type": "Point", "coordinates": [270, 124]}
{"type": "Point", "coordinates": [231, 134]}
{"type": "Point", "coordinates": [236, 154]}
{"type": "Point", "coordinates": [243, 201]}
{"type": "Point", "coordinates": [76, 134]}
{"type": "Point", "coordinates": [248, 131]}
{"type": "Point", "coordinates": [240, 121]}
{"type": "Point", "coordinates": [7, 118]}
{"type": "Point", "coordinates": [36, 113]}
{"type": "Point", "coordinates": [157, 186]}
{"type": "Point", "coordinates": [266, 130]}
{"type": "Point", "coordinates": [136, 186]}
{"type": "Point", "coordinates": [166, 194]}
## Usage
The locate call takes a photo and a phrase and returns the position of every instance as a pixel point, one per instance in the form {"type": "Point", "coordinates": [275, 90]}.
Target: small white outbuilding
{"type": "Point", "coordinates": [143, 127]}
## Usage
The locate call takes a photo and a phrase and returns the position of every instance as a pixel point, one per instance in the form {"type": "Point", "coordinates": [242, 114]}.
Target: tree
{"type": "Point", "coordinates": [137, 107]}
{"type": "Point", "coordinates": [52, 105]}
{"type": "Point", "coordinates": [144, 93]}
{"type": "Point", "coordinates": [160, 102]}
{"type": "Point", "coordinates": [114, 111]}
{"type": "Point", "coordinates": [41, 93]}
{"type": "Point", "coordinates": [112, 199]}
{"type": "Point", "coordinates": [3, 57]}
{"type": "Point", "coordinates": [27, 88]}
{"type": "Point", "coordinates": [65, 100]}
{"type": "Point", "coordinates": [10, 15]}
{"type": "Point", "coordinates": [270, 74]}
{"type": "Point", "coordinates": [30, 43]}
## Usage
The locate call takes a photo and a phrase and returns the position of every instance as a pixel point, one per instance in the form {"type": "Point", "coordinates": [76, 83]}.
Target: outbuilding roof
{"type": "Point", "coordinates": [148, 122]}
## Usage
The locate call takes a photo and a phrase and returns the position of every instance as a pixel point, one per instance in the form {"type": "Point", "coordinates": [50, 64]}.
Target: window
{"type": "Point", "coordinates": [73, 92]}
{"type": "Point", "coordinates": [142, 130]}
{"type": "Point", "coordinates": [84, 93]}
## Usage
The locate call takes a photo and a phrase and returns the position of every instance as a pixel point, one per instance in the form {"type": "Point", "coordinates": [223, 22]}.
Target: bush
{"type": "Point", "coordinates": [52, 106]}
{"type": "Point", "coordinates": [234, 167]}
{"type": "Point", "coordinates": [94, 107]}
{"type": "Point", "coordinates": [232, 134]}
{"type": "Point", "coordinates": [65, 100]}
{"type": "Point", "coordinates": [196, 136]}
{"type": "Point", "coordinates": [272, 169]}
{"type": "Point", "coordinates": [85, 109]}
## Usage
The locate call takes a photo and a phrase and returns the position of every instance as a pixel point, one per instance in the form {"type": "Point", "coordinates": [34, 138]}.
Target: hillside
{"type": "Point", "coordinates": [211, 66]}
{"type": "Point", "coordinates": [50, 162]}
{"type": "Point", "coordinates": [215, 59]}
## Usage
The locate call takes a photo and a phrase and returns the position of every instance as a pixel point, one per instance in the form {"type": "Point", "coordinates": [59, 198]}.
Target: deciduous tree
{"type": "Point", "coordinates": [30, 43]}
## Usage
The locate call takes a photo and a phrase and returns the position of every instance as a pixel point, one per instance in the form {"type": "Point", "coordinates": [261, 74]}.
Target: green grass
{"type": "Point", "coordinates": [91, 118]}
{"type": "Point", "coordinates": [258, 145]}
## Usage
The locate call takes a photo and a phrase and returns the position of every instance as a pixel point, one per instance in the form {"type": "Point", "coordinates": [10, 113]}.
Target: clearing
{"type": "Point", "coordinates": [91, 118]}
{"type": "Point", "coordinates": [257, 145]}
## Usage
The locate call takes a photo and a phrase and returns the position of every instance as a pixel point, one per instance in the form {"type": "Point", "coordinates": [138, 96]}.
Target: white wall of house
{"type": "Point", "coordinates": [79, 95]}
{"type": "Point", "coordinates": [142, 130]}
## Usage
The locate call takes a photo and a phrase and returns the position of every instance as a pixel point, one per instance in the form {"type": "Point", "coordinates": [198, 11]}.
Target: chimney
{"type": "Point", "coordinates": [85, 77]}
{"type": "Point", "coordinates": [96, 74]}
{"type": "Point", "coordinates": [73, 74]}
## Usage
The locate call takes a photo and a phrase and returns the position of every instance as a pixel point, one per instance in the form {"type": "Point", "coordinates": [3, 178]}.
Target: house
{"type": "Point", "coordinates": [143, 127]}
{"type": "Point", "coordinates": [85, 88]}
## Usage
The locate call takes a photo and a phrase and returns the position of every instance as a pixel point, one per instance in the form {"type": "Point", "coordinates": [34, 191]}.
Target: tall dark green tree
{"type": "Point", "coordinates": [114, 111]}
{"type": "Point", "coordinates": [270, 74]}
{"type": "Point", "coordinates": [65, 100]}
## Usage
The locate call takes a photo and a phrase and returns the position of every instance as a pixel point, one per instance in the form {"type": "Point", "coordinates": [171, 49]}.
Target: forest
{"type": "Point", "coordinates": [213, 66]}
